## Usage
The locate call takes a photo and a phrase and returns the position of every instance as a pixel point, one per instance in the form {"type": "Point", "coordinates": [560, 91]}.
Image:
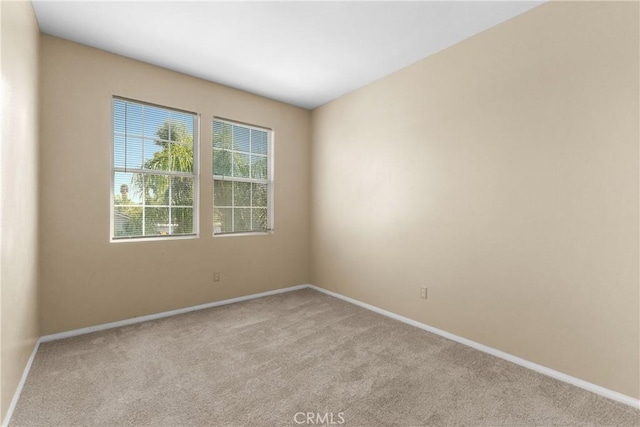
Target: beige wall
{"type": "Point", "coordinates": [501, 173]}
{"type": "Point", "coordinates": [85, 279]}
{"type": "Point", "coordinates": [18, 194]}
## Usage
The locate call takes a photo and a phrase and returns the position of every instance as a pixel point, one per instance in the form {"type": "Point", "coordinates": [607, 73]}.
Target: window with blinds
{"type": "Point", "coordinates": [154, 174]}
{"type": "Point", "coordinates": [242, 185]}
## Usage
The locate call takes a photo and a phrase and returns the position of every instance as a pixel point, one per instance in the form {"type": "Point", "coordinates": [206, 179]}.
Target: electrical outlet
{"type": "Point", "coordinates": [423, 292]}
{"type": "Point", "coordinates": [216, 276]}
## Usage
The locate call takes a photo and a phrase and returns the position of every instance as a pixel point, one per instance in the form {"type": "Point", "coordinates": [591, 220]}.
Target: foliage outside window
{"type": "Point", "coordinates": [241, 178]}
{"type": "Point", "coordinates": [154, 174]}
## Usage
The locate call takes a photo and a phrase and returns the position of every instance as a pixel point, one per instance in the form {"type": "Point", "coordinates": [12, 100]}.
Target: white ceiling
{"type": "Point", "coordinates": [302, 53]}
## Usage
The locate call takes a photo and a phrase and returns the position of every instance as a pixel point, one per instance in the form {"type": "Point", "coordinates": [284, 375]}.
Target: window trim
{"type": "Point", "coordinates": [195, 175]}
{"type": "Point", "coordinates": [270, 180]}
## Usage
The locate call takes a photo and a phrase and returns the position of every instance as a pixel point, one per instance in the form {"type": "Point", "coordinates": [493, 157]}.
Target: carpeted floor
{"type": "Point", "coordinates": [264, 362]}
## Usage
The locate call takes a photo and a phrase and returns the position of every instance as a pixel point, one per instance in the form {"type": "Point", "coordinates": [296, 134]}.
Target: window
{"type": "Point", "coordinates": [241, 178]}
{"type": "Point", "coordinates": [154, 175]}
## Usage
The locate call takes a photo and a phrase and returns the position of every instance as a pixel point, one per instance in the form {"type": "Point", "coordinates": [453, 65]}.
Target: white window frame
{"type": "Point", "coordinates": [269, 181]}
{"type": "Point", "coordinates": [195, 175]}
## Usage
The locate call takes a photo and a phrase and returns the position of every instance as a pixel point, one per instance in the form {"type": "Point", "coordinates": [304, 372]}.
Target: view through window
{"type": "Point", "coordinates": [154, 173]}
{"type": "Point", "coordinates": [241, 178]}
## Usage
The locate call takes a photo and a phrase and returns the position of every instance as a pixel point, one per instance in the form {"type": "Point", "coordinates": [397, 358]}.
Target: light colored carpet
{"type": "Point", "coordinates": [258, 363]}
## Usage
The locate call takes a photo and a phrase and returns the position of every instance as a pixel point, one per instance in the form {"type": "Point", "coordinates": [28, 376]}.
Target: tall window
{"type": "Point", "coordinates": [154, 172]}
{"type": "Point", "coordinates": [241, 178]}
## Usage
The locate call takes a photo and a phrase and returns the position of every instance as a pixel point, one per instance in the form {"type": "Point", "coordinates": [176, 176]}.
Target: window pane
{"type": "Point", "coordinates": [241, 138]}
{"type": "Point", "coordinates": [222, 135]}
{"type": "Point", "coordinates": [181, 127]}
{"type": "Point", "coordinates": [182, 218]}
{"type": "Point", "coordinates": [259, 220]}
{"type": "Point", "coordinates": [222, 193]}
{"type": "Point", "coordinates": [240, 165]}
{"type": "Point", "coordinates": [222, 222]}
{"type": "Point", "coordinates": [258, 167]}
{"type": "Point", "coordinates": [153, 155]}
{"type": "Point", "coordinates": [133, 152]}
{"type": "Point", "coordinates": [156, 122]}
{"type": "Point", "coordinates": [259, 194]}
{"type": "Point", "coordinates": [181, 157]}
{"type": "Point", "coordinates": [181, 191]}
{"type": "Point", "coordinates": [259, 141]}
{"type": "Point", "coordinates": [156, 221]}
{"type": "Point", "coordinates": [155, 187]}
{"type": "Point", "coordinates": [123, 189]}
{"type": "Point", "coordinates": [136, 188]}
{"type": "Point", "coordinates": [119, 116]}
{"type": "Point", "coordinates": [242, 194]}
{"type": "Point", "coordinates": [127, 221]}
{"type": "Point", "coordinates": [133, 124]}
{"type": "Point", "coordinates": [119, 151]}
{"type": "Point", "coordinates": [221, 162]}
{"type": "Point", "coordinates": [241, 219]}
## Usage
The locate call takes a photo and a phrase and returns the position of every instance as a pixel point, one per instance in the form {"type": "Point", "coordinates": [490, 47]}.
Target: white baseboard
{"type": "Point", "coordinates": [613, 395]}
{"type": "Point", "coordinates": [23, 379]}
{"type": "Point", "coordinates": [119, 323]}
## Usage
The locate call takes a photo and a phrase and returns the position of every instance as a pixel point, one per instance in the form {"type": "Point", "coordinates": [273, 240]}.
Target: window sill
{"type": "Point", "coordinates": [252, 233]}
{"type": "Point", "coordinates": [153, 239]}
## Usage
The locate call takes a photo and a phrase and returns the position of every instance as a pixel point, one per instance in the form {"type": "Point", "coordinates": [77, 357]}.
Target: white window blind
{"type": "Point", "coordinates": [242, 184]}
{"type": "Point", "coordinates": [154, 171]}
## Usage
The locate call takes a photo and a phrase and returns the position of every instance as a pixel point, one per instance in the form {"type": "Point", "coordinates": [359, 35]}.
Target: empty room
{"type": "Point", "coordinates": [350, 213]}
